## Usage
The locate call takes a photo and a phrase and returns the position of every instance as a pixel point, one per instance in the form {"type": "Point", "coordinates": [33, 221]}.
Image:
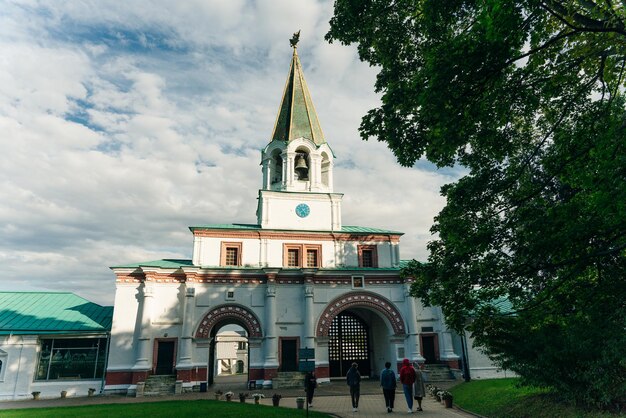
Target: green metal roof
{"type": "Point", "coordinates": [51, 313]}
{"type": "Point", "coordinates": [297, 116]}
{"type": "Point", "coordinates": [165, 263]}
{"type": "Point", "coordinates": [348, 229]}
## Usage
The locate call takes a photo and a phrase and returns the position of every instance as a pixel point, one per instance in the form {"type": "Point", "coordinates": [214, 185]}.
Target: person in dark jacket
{"type": "Point", "coordinates": [388, 382]}
{"type": "Point", "coordinates": [310, 383]}
{"type": "Point", "coordinates": [353, 379]}
{"type": "Point", "coordinates": [407, 378]}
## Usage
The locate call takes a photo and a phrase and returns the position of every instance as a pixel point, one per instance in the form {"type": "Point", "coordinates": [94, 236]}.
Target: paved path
{"type": "Point", "coordinates": [332, 399]}
{"type": "Point", "coordinates": [371, 406]}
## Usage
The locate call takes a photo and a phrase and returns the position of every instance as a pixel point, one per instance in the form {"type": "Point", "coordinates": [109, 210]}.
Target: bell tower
{"type": "Point", "coordinates": [297, 164]}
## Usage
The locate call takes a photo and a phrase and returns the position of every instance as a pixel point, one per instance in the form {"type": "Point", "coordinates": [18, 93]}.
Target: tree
{"type": "Point", "coordinates": [528, 96]}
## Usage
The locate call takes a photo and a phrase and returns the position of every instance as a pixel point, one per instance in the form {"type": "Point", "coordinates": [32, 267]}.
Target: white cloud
{"type": "Point", "coordinates": [122, 123]}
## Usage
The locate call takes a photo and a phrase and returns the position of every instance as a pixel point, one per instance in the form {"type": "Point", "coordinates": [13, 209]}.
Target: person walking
{"type": "Point", "coordinates": [407, 378]}
{"type": "Point", "coordinates": [310, 383]}
{"type": "Point", "coordinates": [353, 379]}
{"type": "Point", "coordinates": [388, 382]}
{"type": "Point", "coordinates": [419, 390]}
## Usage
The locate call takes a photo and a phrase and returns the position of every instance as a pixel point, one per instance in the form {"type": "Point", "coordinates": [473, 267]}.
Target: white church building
{"type": "Point", "coordinates": [298, 278]}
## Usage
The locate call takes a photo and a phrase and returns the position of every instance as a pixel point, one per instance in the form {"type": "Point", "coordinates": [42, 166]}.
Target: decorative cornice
{"type": "Point", "coordinates": [296, 235]}
{"type": "Point", "coordinates": [240, 314]}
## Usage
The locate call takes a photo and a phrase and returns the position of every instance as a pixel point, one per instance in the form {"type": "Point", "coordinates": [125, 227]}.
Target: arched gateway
{"type": "Point", "coordinates": [228, 314]}
{"type": "Point", "coordinates": [349, 334]}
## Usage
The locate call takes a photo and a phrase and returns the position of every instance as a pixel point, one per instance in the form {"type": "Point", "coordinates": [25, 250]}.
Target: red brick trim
{"type": "Point", "coordinates": [119, 378]}
{"type": "Point", "coordinates": [322, 371]}
{"type": "Point", "coordinates": [360, 299]}
{"type": "Point", "coordinates": [239, 313]}
{"type": "Point", "coordinates": [195, 374]}
{"type": "Point", "coordinates": [269, 374]}
{"type": "Point", "coordinates": [255, 374]}
{"type": "Point", "coordinates": [140, 376]}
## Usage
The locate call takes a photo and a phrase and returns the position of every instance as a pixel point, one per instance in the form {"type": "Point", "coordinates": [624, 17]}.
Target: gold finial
{"type": "Point", "coordinates": [294, 40]}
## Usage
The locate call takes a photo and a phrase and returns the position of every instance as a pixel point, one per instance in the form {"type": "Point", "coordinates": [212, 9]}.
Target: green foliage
{"type": "Point", "coordinates": [527, 95]}
{"type": "Point", "coordinates": [507, 398]}
{"type": "Point", "coordinates": [164, 409]}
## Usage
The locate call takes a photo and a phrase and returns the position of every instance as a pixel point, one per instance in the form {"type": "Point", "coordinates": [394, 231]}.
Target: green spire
{"type": "Point", "coordinates": [296, 115]}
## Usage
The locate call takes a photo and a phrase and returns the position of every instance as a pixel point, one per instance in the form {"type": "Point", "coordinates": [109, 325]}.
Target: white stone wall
{"type": "Point", "coordinates": [480, 365]}
{"type": "Point", "coordinates": [277, 210]}
{"type": "Point", "coordinates": [125, 328]}
{"type": "Point", "coordinates": [20, 355]}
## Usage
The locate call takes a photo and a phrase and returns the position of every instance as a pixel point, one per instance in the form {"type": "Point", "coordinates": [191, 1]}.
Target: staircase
{"type": "Point", "coordinates": [288, 380]}
{"type": "Point", "coordinates": [157, 385]}
{"type": "Point", "coordinates": [438, 373]}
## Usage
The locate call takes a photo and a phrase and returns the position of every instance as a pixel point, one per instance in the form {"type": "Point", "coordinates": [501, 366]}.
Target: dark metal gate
{"type": "Point", "coordinates": [348, 343]}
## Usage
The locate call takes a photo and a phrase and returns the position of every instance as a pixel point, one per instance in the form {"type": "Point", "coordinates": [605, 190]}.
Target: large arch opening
{"type": "Point", "coordinates": [348, 342]}
{"type": "Point", "coordinates": [359, 327]}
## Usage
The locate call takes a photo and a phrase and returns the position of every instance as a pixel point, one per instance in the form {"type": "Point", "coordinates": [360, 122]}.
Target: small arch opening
{"type": "Point", "coordinates": [302, 163]}
{"type": "Point", "coordinates": [276, 168]}
{"type": "Point", "coordinates": [325, 170]}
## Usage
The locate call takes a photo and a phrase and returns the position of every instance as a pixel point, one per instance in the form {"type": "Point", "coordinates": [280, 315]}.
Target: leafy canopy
{"type": "Point", "coordinates": [528, 96]}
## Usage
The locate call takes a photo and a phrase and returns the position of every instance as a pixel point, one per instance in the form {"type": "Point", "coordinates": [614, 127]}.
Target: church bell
{"type": "Point", "coordinates": [301, 168]}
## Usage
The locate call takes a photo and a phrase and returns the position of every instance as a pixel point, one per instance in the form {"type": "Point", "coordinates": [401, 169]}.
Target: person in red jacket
{"type": "Point", "coordinates": [407, 378]}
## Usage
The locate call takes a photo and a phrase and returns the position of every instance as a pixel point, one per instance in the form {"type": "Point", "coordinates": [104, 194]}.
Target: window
{"type": "Point", "coordinates": [302, 255]}
{"type": "Point", "coordinates": [71, 358]}
{"type": "Point", "coordinates": [311, 258]}
{"type": "Point", "coordinates": [230, 295]}
{"type": "Point", "coordinates": [241, 345]}
{"type": "Point", "coordinates": [368, 256]}
{"type": "Point", "coordinates": [293, 257]}
{"type": "Point", "coordinates": [231, 254]}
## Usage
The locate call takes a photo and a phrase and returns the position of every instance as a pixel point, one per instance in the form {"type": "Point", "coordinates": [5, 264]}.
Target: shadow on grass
{"type": "Point", "coordinates": [505, 398]}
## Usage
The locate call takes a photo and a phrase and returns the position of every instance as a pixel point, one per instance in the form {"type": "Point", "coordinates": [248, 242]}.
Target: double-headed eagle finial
{"type": "Point", "coordinates": [294, 40]}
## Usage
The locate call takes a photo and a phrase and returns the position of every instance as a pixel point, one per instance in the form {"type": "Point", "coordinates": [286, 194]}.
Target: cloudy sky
{"type": "Point", "coordinates": [123, 123]}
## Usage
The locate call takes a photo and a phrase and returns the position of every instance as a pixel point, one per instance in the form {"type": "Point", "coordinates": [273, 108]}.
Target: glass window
{"type": "Point", "coordinates": [232, 256]}
{"type": "Point", "coordinates": [293, 257]}
{"type": "Point", "coordinates": [367, 258]}
{"type": "Point", "coordinates": [311, 258]}
{"type": "Point", "coordinates": [71, 358]}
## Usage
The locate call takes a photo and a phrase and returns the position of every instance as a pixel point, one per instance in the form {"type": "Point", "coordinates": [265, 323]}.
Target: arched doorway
{"type": "Point", "coordinates": [228, 354]}
{"type": "Point", "coordinates": [367, 322]}
{"type": "Point", "coordinates": [348, 343]}
{"type": "Point", "coordinates": [221, 317]}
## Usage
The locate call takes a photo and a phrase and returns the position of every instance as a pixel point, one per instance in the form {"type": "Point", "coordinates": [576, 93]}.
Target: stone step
{"type": "Point", "coordinates": [160, 385]}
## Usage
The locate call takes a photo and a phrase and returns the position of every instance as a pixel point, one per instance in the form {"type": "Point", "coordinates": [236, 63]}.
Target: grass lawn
{"type": "Point", "coordinates": [163, 409]}
{"type": "Point", "coordinates": [500, 398]}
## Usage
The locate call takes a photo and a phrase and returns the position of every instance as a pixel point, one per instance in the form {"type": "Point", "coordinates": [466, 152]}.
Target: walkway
{"type": "Point", "coordinates": [332, 399]}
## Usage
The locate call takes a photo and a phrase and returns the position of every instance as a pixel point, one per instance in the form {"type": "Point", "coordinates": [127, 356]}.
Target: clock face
{"type": "Point", "coordinates": [303, 210]}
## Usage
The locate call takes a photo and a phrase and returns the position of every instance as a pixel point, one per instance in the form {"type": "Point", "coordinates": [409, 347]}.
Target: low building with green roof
{"type": "Point", "coordinates": [52, 342]}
